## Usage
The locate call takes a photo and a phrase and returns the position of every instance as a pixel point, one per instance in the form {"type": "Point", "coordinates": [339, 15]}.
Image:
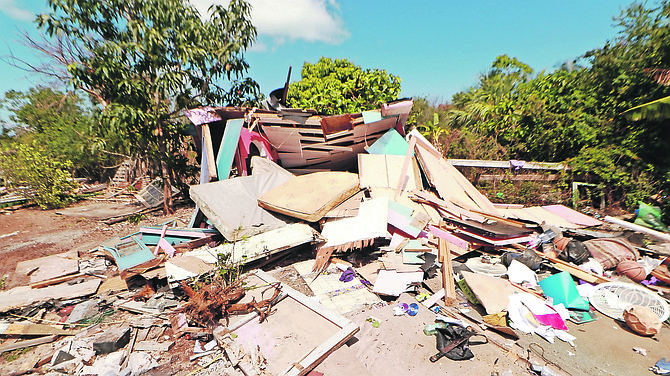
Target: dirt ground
{"type": "Point", "coordinates": [30, 233]}
{"type": "Point", "coordinates": [397, 347]}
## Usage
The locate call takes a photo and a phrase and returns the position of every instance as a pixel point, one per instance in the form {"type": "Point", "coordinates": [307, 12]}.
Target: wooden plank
{"type": "Point", "coordinates": [55, 281]}
{"type": "Point", "coordinates": [446, 178]}
{"type": "Point", "coordinates": [113, 284]}
{"type": "Point", "coordinates": [545, 215]}
{"type": "Point", "coordinates": [185, 232]}
{"type": "Point", "coordinates": [31, 329]}
{"type": "Point", "coordinates": [444, 256]}
{"type": "Point", "coordinates": [372, 171]}
{"type": "Point", "coordinates": [28, 343]}
{"type": "Point", "coordinates": [454, 210]}
{"type": "Point", "coordinates": [448, 189]}
{"type": "Point", "coordinates": [197, 243]}
{"type": "Point", "coordinates": [336, 124]}
{"type": "Point", "coordinates": [405, 165]}
{"type": "Point", "coordinates": [302, 131]}
{"type": "Point", "coordinates": [506, 164]}
{"type": "Point", "coordinates": [284, 139]}
{"type": "Point", "coordinates": [49, 267]}
{"type": "Point", "coordinates": [504, 220]}
{"type": "Point", "coordinates": [575, 271]}
{"type": "Point", "coordinates": [508, 206]}
{"type": "Point", "coordinates": [572, 215]}
{"type": "Point", "coordinates": [209, 152]}
{"type": "Point", "coordinates": [518, 177]}
{"type": "Point", "coordinates": [365, 130]}
{"type": "Point", "coordinates": [327, 147]}
{"type": "Point", "coordinates": [440, 233]}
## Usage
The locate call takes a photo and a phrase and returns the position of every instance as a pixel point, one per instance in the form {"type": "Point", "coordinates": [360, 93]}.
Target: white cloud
{"type": "Point", "coordinates": [12, 10]}
{"type": "Point", "coordinates": [309, 20]}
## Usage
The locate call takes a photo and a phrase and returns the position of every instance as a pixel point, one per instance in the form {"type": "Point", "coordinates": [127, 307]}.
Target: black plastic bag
{"type": "Point", "coordinates": [454, 343]}
{"type": "Point", "coordinates": [575, 252]}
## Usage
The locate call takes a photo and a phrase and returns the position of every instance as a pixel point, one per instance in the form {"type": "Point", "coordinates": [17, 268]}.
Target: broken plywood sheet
{"type": "Point", "coordinates": [259, 246]}
{"type": "Point", "coordinates": [23, 296]}
{"type": "Point", "coordinates": [113, 284]}
{"type": "Point", "coordinates": [338, 296]}
{"type": "Point", "coordinates": [185, 266]}
{"type": "Point", "coordinates": [309, 197]}
{"type": "Point", "coordinates": [394, 283]}
{"type": "Point", "coordinates": [539, 215]}
{"type": "Point", "coordinates": [297, 336]}
{"type": "Point", "coordinates": [492, 292]}
{"type": "Point", "coordinates": [394, 261]}
{"type": "Point", "coordinates": [356, 232]}
{"type": "Point", "coordinates": [573, 215]}
{"type": "Point", "coordinates": [231, 205]}
{"type": "Point", "coordinates": [449, 182]}
{"type": "Point", "coordinates": [406, 219]}
{"type": "Point", "coordinates": [49, 267]}
{"type": "Point", "coordinates": [380, 170]}
{"type": "Point", "coordinates": [348, 208]}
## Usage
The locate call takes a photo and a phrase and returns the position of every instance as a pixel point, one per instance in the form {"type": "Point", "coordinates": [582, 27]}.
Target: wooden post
{"type": "Point", "coordinates": [405, 166]}
{"type": "Point", "coordinates": [211, 161]}
{"type": "Point", "coordinates": [444, 256]}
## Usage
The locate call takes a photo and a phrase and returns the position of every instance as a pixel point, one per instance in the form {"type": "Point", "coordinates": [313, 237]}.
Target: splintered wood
{"type": "Point", "coordinates": [213, 301]}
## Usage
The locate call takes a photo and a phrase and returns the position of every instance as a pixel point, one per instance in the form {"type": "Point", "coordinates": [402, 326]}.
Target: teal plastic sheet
{"type": "Point", "coordinates": [561, 288]}
{"type": "Point", "coordinates": [391, 143]}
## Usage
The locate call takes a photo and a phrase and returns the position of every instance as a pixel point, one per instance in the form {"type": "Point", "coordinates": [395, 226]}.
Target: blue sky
{"type": "Point", "coordinates": [437, 48]}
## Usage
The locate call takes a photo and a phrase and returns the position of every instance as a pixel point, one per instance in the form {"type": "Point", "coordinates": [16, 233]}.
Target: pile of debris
{"type": "Point", "coordinates": [407, 235]}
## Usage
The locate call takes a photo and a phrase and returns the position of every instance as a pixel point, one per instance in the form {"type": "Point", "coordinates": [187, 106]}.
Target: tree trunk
{"type": "Point", "coordinates": [166, 175]}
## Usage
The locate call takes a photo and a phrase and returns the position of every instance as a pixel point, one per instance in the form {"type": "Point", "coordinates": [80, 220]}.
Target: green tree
{"type": "Point", "coordinates": [62, 123]}
{"type": "Point", "coordinates": [47, 179]}
{"type": "Point", "coordinates": [491, 108]}
{"type": "Point", "coordinates": [145, 61]}
{"type": "Point", "coordinates": [627, 72]}
{"type": "Point", "coordinates": [334, 87]}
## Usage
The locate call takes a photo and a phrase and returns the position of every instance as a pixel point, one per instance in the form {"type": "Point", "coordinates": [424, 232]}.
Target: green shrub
{"type": "Point", "coordinates": [46, 179]}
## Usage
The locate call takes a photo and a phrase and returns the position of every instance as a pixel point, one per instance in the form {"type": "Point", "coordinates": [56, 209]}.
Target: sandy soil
{"type": "Point", "coordinates": [29, 233]}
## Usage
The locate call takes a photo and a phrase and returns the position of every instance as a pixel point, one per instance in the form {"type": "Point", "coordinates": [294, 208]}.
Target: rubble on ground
{"type": "Point", "coordinates": [276, 272]}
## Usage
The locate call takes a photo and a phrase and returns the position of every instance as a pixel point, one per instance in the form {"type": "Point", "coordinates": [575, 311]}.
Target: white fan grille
{"type": "Point", "coordinates": [612, 298]}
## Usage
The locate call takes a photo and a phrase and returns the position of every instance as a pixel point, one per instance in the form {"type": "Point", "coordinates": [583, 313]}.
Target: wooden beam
{"type": "Point", "coordinates": [55, 281]}
{"type": "Point", "coordinates": [506, 164]}
{"type": "Point", "coordinates": [405, 166]}
{"type": "Point", "coordinates": [28, 343]}
{"type": "Point", "coordinates": [575, 271]}
{"type": "Point", "coordinates": [519, 177]}
{"type": "Point", "coordinates": [444, 256]}
{"type": "Point", "coordinates": [209, 149]}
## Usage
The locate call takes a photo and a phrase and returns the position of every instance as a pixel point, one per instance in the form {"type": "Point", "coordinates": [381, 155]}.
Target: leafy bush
{"type": "Point", "coordinates": [624, 178]}
{"type": "Point", "coordinates": [46, 178]}
{"type": "Point", "coordinates": [334, 87]}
